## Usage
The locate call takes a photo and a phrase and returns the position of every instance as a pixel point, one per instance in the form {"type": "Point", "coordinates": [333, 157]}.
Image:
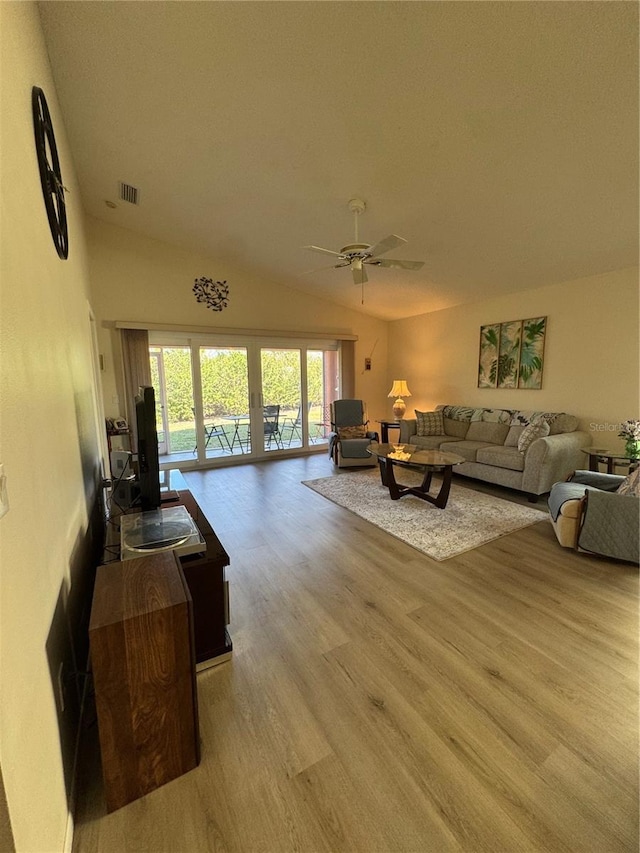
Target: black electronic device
{"type": "Point", "coordinates": [148, 461]}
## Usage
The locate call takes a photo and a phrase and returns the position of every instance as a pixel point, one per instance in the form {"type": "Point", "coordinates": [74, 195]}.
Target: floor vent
{"type": "Point", "coordinates": [129, 193]}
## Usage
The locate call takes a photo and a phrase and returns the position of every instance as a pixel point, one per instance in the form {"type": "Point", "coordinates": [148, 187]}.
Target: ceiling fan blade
{"type": "Point", "coordinates": [359, 272]}
{"type": "Point", "coordinates": [390, 242]}
{"type": "Point", "coordinates": [324, 251]}
{"type": "Point", "coordinates": [331, 267]}
{"type": "Point", "coordinates": [391, 262]}
{"type": "Point", "coordinates": [317, 269]}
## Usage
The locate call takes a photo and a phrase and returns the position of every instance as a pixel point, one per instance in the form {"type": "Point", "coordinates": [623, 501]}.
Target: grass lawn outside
{"type": "Point", "coordinates": [183, 433]}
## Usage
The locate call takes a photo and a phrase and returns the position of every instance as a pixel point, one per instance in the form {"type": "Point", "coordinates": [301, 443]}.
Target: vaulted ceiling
{"type": "Point", "coordinates": [499, 138]}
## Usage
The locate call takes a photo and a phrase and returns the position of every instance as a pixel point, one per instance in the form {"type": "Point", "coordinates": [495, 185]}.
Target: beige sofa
{"type": "Point", "coordinates": [488, 441]}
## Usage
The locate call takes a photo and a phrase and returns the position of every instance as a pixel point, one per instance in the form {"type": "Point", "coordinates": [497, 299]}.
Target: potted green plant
{"type": "Point", "coordinates": [630, 431]}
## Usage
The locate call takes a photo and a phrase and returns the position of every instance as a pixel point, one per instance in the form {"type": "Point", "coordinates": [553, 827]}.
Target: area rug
{"type": "Point", "coordinates": [470, 518]}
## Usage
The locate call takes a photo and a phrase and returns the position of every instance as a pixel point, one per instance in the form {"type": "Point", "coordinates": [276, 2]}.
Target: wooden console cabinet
{"type": "Point", "coordinates": [205, 576]}
{"type": "Point", "coordinates": [155, 620]}
{"type": "Point", "coordinates": [143, 661]}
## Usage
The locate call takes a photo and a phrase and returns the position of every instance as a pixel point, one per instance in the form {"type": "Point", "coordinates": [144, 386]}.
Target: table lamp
{"type": "Point", "coordinates": [399, 390]}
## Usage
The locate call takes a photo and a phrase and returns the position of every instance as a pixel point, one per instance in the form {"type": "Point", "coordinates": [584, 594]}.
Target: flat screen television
{"type": "Point", "coordinates": [148, 462]}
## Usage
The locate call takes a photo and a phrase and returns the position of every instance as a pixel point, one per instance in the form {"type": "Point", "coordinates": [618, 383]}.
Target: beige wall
{"type": "Point", "coordinates": [48, 447]}
{"type": "Point", "coordinates": [591, 362]}
{"type": "Point", "coordinates": [136, 278]}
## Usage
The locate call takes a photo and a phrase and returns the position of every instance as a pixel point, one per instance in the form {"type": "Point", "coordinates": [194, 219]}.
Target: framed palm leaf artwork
{"type": "Point", "coordinates": [512, 354]}
{"type": "Point", "coordinates": [509, 354]}
{"type": "Point", "coordinates": [532, 353]}
{"type": "Point", "coordinates": [488, 360]}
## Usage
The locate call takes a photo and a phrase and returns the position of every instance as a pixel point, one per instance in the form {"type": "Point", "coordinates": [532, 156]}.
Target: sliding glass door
{"type": "Point", "coordinates": [280, 397]}
{"type": "Point", "coordinates": [221, 399]}
{"type": "Point", "coordinates": [222, 406]}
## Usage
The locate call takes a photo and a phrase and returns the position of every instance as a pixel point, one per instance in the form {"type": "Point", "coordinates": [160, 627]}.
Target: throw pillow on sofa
{"type": "Point", "coordinates": [631, 484]}
{"type": "Point", "coordinates": [352, 432]}
{"type": "Point", "coordinates": [429, 423]}
{"type": "Point", "coordinates": [536, 429]}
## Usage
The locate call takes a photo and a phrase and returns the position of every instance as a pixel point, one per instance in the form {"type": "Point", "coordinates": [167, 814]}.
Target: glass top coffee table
{"type": "Point", "coordinates": [427, 462]}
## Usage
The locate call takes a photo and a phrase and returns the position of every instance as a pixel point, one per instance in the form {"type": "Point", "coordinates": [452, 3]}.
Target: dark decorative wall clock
{"type": "Point", "coordinates": [52, 187]}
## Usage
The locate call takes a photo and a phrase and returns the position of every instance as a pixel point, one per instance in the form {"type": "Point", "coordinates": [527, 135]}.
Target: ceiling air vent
{"type": "Point", "coordinates": [129, 193]}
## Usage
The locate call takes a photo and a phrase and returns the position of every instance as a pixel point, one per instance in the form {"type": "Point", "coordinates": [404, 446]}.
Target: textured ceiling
{"type": "Point", "coordinates": [499, 139]}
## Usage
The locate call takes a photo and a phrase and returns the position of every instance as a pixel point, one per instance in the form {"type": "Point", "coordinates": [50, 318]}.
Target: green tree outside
{"type": "Point", "coordinates": [224, 381]}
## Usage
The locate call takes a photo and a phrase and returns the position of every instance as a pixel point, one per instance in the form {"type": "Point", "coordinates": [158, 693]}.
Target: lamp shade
{"type": "Point", "coordinates": [399, 389]}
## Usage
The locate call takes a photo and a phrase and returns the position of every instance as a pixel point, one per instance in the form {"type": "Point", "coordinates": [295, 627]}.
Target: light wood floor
{"type": "Point", "coordinates": [380, 701]}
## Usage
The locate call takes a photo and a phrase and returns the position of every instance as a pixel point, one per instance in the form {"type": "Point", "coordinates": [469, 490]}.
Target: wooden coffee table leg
{"type": "Point", "coordinates": [426, 480]}
{"type": "Point", "coordinates": [394, 490]}
{"type": "Point", "coordinates": [397, 491]}
{"type": "Point", "coordinates": [422, 491]}
{"type": "Point", "coordinates": [443, 495]}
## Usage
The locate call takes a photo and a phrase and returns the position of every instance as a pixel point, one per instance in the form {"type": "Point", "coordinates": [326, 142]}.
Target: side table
{"type": "Point", "coordinates": [610, 459]}
{"type": "Point", "coordinates": [385, 426]}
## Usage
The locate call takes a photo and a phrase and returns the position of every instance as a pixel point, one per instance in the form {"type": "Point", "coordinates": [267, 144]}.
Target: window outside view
{"type": "Point", "coordinates": [225, 394]}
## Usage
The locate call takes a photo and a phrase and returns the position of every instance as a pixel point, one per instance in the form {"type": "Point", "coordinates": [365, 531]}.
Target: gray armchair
{"type": "Point", "coordinates": [349, 438]}
{"type": "Point", "coordinates": [588, 514]}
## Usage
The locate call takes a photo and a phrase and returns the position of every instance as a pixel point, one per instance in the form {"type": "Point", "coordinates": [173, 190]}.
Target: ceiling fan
{"type": "Point", "coordinates": [357, 254]}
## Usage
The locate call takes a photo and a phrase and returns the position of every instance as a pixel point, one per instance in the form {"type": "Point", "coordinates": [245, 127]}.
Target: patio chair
{"type": "Point", "coordinates": [294, 426]}
{"type": "Point", "coordinates": [350, 437]}
{"type": "Point", "coordinates": [271, 416]}
{"type": "Point", "coordinates": [214, 431]}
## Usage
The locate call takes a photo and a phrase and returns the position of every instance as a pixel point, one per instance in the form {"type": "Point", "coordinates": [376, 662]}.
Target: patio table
{"type": "Point", "coordinates": [238, 420]}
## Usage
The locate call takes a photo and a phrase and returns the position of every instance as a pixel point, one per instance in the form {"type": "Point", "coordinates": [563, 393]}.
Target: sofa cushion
{"type": "Point", "coordinates": [467, 449]}
{"type": "Point", "coordinates": [461, 413]}
{"type": "Point", "coordinates": [558, 421]}
{"type": "Point", "coordinates": [487, 432]}
{"type": "Point", "coordinates": [497, 416]}
{"type": "Point", "coordinates": [524, 417]}
{"type": "Point", "coordinates": [536, 429]}
{"type": "Point", "coordinates": [427, 442]}
{"type": "Point", "coordinates": [513, 436]}
{"type": "Point", "coordinates": [501, 457]}
{"type": "Point", "coordinates": [429, 423]}
{"type": "Point", "coordinates": [563, 423]}
{"type": "Point", "coordinates": [458, 429]}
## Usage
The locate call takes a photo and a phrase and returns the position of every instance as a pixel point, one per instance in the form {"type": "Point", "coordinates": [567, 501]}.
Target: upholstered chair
{"type": "Point", "coordinates": [599, 513]}
{"type": "Point", "coordinates": [349, 436]}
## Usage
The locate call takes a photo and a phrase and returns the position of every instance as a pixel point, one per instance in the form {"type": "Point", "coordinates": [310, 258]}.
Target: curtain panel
{"type": "Point", "coordinates": [137, 371]}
